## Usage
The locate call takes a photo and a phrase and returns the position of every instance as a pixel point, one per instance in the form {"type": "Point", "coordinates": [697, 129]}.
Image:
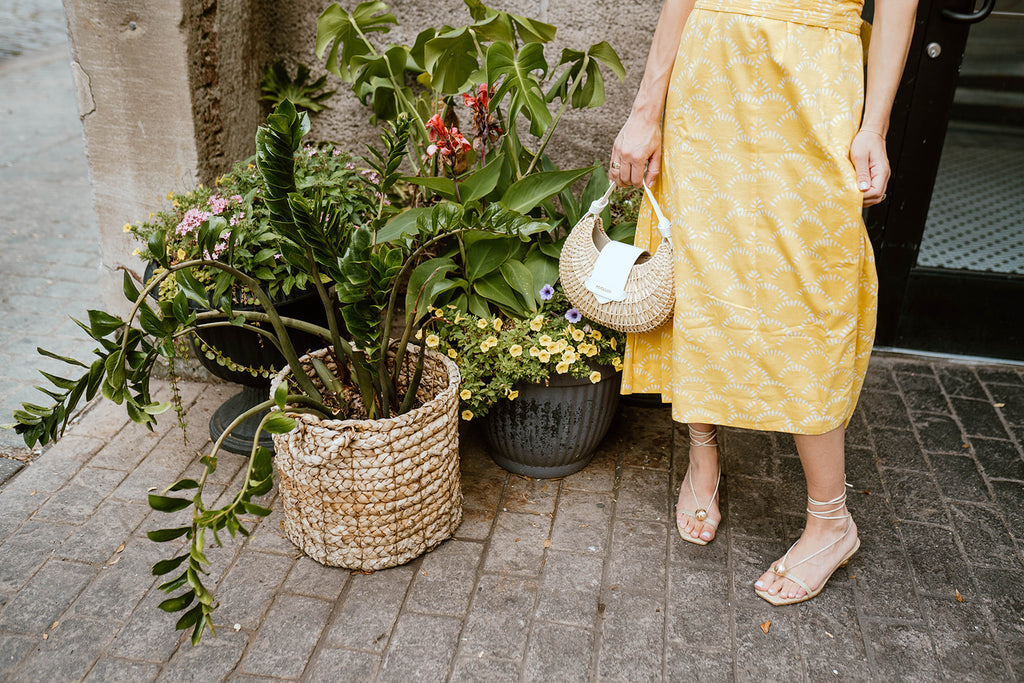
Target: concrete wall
{"type": "Point", "coordinates": [169, 89]}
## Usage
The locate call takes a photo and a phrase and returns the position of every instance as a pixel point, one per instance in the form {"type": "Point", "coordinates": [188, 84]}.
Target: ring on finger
{"type": "Point", "coordinates": [616, 165]}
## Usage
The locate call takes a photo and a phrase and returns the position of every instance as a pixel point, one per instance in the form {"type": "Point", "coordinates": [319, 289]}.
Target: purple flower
{"type": "Point", "coordinates": [573, 316]}
{"type": "Point", "coordinates": [546, 292]}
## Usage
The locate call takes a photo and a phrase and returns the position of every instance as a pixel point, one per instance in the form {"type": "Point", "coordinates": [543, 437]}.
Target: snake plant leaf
{"type": "Point", "coordinates": [345, 34]}
{"type": "Point", "coordinates": [520, 75]}
{"type": "Point", "coordinates": [526, 194]}
{"type": "Point", "coordinates": [451, 58]}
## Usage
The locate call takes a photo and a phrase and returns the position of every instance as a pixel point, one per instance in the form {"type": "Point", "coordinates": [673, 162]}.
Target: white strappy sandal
{"type": "Point", "coordinates": [700, 438]}
{"type": "Point", "coordinates": [783, 568]}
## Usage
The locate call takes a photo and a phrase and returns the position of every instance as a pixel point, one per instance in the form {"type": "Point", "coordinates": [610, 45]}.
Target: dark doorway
{"type": "Point", "coordinates": [950, 240]}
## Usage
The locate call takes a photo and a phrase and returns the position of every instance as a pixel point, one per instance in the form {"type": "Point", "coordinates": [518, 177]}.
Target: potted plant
{"type": "Point", "coordinates": [235, 210]}
{"type": "Point", "coordinates": [359, 409]}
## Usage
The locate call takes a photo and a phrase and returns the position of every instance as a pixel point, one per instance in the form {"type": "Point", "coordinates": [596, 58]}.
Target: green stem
{"type": "Point", "coordinates": [558, 117]}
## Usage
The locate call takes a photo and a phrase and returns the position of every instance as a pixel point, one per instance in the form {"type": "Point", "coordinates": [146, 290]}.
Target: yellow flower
{"type": "Point", "coordinates": [136, 253]}
{"type": "Point", "coordinates": [181, 254]}
{"type": "Point", "coordinates": [452, 354]}
{"type": "Point", "coordinates": [430, 309]}
{"type": "Point", "coordinates": [513, 395]}
{"type": "Point", "coordinates": [249, 167]}
{"type": "Point", "coordinates": [150, 217]}
{"type": "Point", "coordinates": [481, 323]}
{"type": "Point", "coordinates": [562, 368]}
{"type": "Point", "coordinates": [617, 364]}
{"type": "Point", "coordinates": [569, 357]}
{"type": "Point", "coordinates": [419, 334]}
{"type": "Point", "coordinates": [545, 340]}
{"type": "Point", "coordinates": [484, 347]}
{"type": "Point", "coordinates": [467, 415]}
{"type": "Point", "coordinates": [433, 340]}
{"type": "Point", "coordinates": [595, 377]}
{"type": "Point", "coordinates": [127, 227]}
{"type": "Point", "coordinates": [559, 346]}
{"type": "Point", "coordinates": [175, 204]}
{"type": "Point", "coordinates": [465, 394]}
{"type": "Point", "coordinates": [497, 324]}
{"type": "Point", "coordinates": [170, 196]}
{"type": "Point", "coordinates": [492, 342]}
{"type": "Point", "coordinates": [537, 323]}
{"type": "Point", "coordinates": [534, 351]}
{"type": "Point", "coordinates": [544, 356]}
{"type": "Point", "coordinates": [612, 343]}
{"type": "Point", "coordinates": [515, 350]}
{"type": "Point", "coordinates": [458, 318]}
{"type": "Point", "coordinates": [596, 334]}
{"type": "Point", "coordinates": [577, 334]}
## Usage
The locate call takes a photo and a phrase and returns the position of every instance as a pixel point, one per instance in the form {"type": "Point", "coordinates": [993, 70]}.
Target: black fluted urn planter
{"type": "Point", "coordinates": [552, 430]}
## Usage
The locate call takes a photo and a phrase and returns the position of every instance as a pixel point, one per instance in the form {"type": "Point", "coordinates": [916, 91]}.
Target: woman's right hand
{"type": "Point", "coordinates": [636, 154]}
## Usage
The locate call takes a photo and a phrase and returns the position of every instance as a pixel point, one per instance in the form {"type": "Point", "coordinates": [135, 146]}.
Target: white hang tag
{"type": "Point", "coordinates": [611, 270]}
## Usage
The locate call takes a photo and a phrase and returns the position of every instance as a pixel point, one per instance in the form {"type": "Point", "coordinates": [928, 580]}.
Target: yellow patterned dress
{"type": "Point", "coordinates": [775, 281]}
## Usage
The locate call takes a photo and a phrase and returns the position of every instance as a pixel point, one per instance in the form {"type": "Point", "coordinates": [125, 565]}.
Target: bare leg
{"type": "Point", "coordinates": [823, 459]}
{"type": "Point", "coordinates": [703, 473]}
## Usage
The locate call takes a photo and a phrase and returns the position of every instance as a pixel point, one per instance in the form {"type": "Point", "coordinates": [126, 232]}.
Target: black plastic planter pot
{"type": "Point", "coordinates": [552, 431]}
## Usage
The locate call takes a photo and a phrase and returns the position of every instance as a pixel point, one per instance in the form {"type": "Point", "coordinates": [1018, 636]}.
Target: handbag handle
{"type": "Point", "coordinates": [664, 224]}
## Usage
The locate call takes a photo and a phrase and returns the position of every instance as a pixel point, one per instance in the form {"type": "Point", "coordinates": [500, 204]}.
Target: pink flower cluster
{"type": "Point", "coordinates": [192, 219]}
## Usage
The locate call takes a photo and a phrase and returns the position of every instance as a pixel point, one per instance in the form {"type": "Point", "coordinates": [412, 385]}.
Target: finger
{"type": "Point", "coordinates": [636, 174]}
{"type": "Point", "coordinates": [862, 164]}
{"type": "Point", "coordinates": [653, 169]}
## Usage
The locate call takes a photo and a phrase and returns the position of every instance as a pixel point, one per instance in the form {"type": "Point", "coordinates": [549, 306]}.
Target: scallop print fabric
{"type": "Point", "coordinates": [775, 283]}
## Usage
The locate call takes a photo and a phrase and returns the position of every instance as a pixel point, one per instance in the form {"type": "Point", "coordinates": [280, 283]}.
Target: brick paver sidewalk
{"type": "Point", "coordinates": [578, 579]}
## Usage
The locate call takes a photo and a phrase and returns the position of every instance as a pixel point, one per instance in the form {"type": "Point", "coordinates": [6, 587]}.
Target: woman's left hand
{"type": "Point", "coordinates": [872, 165]}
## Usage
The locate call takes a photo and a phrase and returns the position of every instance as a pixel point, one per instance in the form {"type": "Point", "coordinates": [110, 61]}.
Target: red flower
{"type": "Point", "coordinates": [485, 126]}
{"type": "Point", "coordinates": [448, 142]}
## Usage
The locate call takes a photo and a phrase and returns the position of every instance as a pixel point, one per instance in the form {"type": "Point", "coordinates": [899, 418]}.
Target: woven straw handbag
{"type": "Point", "coordinates": [618, 285]}
{"type": "Point", "coordinates": [372, 494]}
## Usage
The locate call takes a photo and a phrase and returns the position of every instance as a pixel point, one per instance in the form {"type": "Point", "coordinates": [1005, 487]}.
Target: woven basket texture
{"type": "Point", "coordinates": [650, 292]}
{"type": "Point", "coordinates": [372, 494]}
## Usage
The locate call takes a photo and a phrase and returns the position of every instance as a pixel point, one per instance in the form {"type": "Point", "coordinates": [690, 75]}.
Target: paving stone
{"type": "Point", "coordinates": [742, 451]}
{"type": "Point", "coordinates": [758, 652]}
{"type": "Point", "coordinates": [27, 549]}
{"type": "Point", "coordinates": [896, 448]}
{"type": "Point", "coordinates": [882, 576]}
{"type": "Point", "coordinates": [1004, 598]}
{"type": "Point", "coordinates": [532, 496]}
{"type": "Point", "coordinates": [939, 433]}
{"type": "Point", "coordinates": [714, 555]}
{"type": "Point", "coordinates": [517, 543]}
{"type": "Point", "coordinates": [211, 660]}
{"type": "Point", "coordinates": [249, 586]}
{"type": "Point", "coordinates": [698, 605]}
{"type": "Point", "coordinates": [484, 669]}
{"type": "Point", "coordinates": [878, 376]}
{"type": "Point", "coordinates": [76, 501]}
{"type": "Point", "coordinates": [18, 507]}
{"type": "Point", "coordinates": [938, 563]}
{"type": "Point", "coordinates": [753, 508]}
{"type": "Point", "coordinates": [644, 442]}
{"type": "Point", "coordinates": [995, 374]}
{"type": "Point", "coordinates": [476, 525]}
{"type": "Point", "coordinates": [985, 536]}
{"type": "Point", "coordinates": [999, 459]}
{"type": "Point", "coordinates": [915, 496]}
{"type": "Point", "coordinates": [979, 418]}
{"type": "Point", "coordinates": [68, 653]}
{"type": "Point", "coordinates": [309, 577]}
{"type": "Point", "coordinates": [922, 392]}
{"type": "Point", "coordinates": [370, 609]}
{"type": "Point", "coordinates": [149, 634]}
{"type": "Point", "coordinates": [45, 597]}
{"type": "Point", "coordinates": [13, 648]}
{"type": "Point", "coordinates": [97, 539]}
{"type": "Point", "coordinates": [444, 580]}
{"type": "Point", "coordinates": [830, 636]}
{"type": "Point", "coordinates": [499, 617]}
{"type": "Point", "coordinates": [570, 588]}
{"type": "Point", "coordinates": [8, 468]}
{"type": "Point", "coordinates": [690, 662]}
{"type": "Point", "coordinates": [421, 648]}
{"type": "Point", "coordinates": [269, 537]}
{"type": "Point", "coordinates": [1012, 398]}
{"type": "Point", "coordinates": [631, 638]}
{"type": "Point", "coordinates": [643, 494]}
{"type": "Point", "coordinates": [599, 475]}
{"type": "Point", "coordinates": [117, 670]}
{"type": "Point", "coordinates": [558, 653]}
{"type": "Point", "coordinates": [884, 410]}
{"type": "Point", "coordinates": [964, 645]}
{"type": "Point", "coordinates": [482, 492]}
{"type": "Point", "coordinates": [960, 380]}
{"type": "Point", "coordinates": [1010, 500]}
{"type": "Point", "coordinates": [287, 637]}
{"type": "Point", "coordinates": [857, 431]}
{"type": "Point", "coordinates": [119, 587]}
{"type": "Point", "coordinates": [336, 664]}
{"type": "Point", "coordinates": [637, 556]}
{"type": "Point", "coordinates": [959, 478]}
{"type": "Point", "coordinates": [582, 522]}
{"type": "Point", "coordinates": [902, 652]}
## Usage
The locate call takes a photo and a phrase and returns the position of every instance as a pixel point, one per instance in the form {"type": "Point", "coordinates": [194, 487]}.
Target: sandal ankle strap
{"type": "Point", "coordinates": [701, 437]}
{"type": "Point", "coordinates": [839, 502]}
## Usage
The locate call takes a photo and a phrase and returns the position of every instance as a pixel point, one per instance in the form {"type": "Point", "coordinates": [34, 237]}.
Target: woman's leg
{"type": "Point", "coordinates": [824, 462]}
{"type": "Point", "coordinates": [703, 473]}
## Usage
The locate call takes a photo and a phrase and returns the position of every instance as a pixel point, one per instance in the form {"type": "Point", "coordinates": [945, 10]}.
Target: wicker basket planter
{"type": "Point", "coordinates": [372, 494]}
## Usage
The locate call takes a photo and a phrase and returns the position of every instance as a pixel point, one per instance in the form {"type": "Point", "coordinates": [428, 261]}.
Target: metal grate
{"type": "Point", "coordinates": [976, 219]}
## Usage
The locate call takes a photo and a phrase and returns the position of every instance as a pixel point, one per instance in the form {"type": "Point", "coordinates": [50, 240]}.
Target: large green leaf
{"type": "Point", "coordinates": [450, 59]}
{"type": "Point", "coordinates": [444, 187]}
{"type": "Point", "coordinates": [485, 256]}
{"type": "Point", "coordinates": [495, 289]}
{"type": "Point", "coordinates": [520, 280]}
{"type": "Point", "coordinates": [420, 290]}
{"type": "Point", "coordinates": [481, 182]}
{"type": "Point", "coordinates": [520, 82]}
{"type": "Point", "coordinates": [402, 224]}
{"type": "Point", "coordinates": [543, 268]}
{"type": "Point", "coordinates": [344, 31]}
{"type": "Point", "coordinates": [526, 194]}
